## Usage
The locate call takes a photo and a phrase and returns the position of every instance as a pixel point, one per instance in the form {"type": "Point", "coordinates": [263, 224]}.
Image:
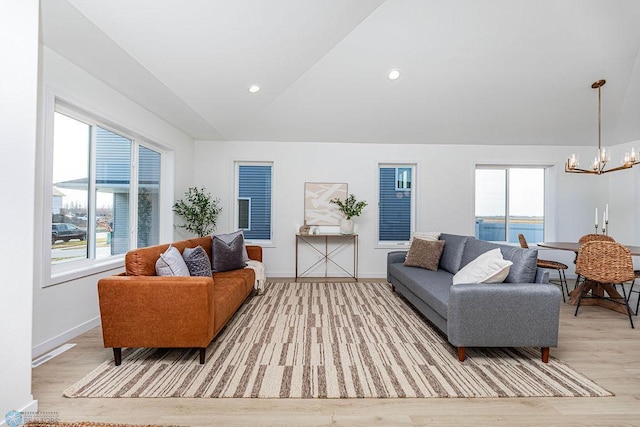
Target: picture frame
{"type": "Point", "coordinates": [318, 211]}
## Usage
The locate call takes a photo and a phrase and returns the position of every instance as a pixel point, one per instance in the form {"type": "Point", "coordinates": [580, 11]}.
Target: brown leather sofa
{"type": "Point", "coordinates": [140, 309]}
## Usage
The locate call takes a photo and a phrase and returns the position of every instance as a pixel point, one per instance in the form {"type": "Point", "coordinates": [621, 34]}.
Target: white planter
{"type": "Point", "coordinates": [346, 226]}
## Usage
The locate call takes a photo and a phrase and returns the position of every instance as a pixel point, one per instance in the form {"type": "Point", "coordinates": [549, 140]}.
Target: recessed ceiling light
{"type": "Point", "coordinates": [254, 88]}
{"type": "Point", "coordinates": [394, 74]}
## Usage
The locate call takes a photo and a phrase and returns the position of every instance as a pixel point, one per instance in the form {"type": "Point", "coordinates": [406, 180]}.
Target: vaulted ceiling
{"type": "Point", "coordinates": [472, 71]}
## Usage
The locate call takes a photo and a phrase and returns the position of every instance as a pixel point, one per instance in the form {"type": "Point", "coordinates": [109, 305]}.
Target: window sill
{"type": "Point", "coordinates": [393, 245]}
{"type": "Point", "coordinates": [85, 270]}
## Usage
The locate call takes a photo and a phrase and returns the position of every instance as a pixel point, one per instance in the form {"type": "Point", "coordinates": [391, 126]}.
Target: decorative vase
{"type": "Point", "coordinates": [346, 226]}
{"type": "Point", "coordinates": [304, 229]}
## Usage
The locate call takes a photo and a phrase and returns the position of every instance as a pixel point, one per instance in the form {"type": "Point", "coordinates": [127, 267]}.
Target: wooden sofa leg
{"type": "Point", "coordinates": [202, 355]}
{"type": "Point", "coordinates": [545, 354]}
{"type": "Point", "coordinates": [461, 355]}
{"type": "Point", "coordinates": [117, 355]}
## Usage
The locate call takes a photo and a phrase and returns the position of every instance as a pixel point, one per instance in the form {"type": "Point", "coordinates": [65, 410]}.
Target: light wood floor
{"type": "Point", "coordinates": [599, 343]}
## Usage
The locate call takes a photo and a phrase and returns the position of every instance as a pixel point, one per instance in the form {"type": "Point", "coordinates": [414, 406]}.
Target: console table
{"type": "Point", "coordinates": [321, 246]}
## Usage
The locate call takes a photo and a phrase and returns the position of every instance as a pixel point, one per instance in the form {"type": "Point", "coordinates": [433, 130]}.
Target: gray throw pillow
{"type": "Point", "coordinates": [171, 263]}
{"type": "Point", "coordinates": [424, 254]}
{"type": "Point", "coordinates": [452, 253]}
{"type": "Point", "coordinates": [227, 256]}
{"type": "Point", "coordinates": [197, 261]}
{"type": "Point", "coordinates": [229, 237]}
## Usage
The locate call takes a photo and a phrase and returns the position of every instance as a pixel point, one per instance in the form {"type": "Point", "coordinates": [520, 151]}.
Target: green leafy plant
{"type": "Point", "coordinates": [199, 210]}
{"type": "Point", "coordinates": [350, 207]}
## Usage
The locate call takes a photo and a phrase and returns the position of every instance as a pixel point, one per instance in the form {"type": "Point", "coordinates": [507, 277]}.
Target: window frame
{"type": "Point", "coordinates": [53, 274]}
{"type": "Point", "coordinates": [265, 243]}
{"type": "Point", "coordinates": [387, 244]}
{"type": "Point", "coordinates": [547, 224]}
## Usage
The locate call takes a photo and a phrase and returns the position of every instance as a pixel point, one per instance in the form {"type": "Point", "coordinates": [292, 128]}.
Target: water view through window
{"type": "Point", "coordinates": [509, 201]}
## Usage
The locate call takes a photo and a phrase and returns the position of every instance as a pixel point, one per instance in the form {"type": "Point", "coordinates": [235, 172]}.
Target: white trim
{"type": "Point", "coordinates": [62, 338]}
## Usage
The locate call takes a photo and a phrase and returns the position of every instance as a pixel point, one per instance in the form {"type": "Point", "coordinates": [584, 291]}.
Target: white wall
{"type": "Point", "coordinates": [18, 109]}
{"type": "Point", "coordinates": [62, 311]}
{"type": "Point", "coordinates": [445, 186]}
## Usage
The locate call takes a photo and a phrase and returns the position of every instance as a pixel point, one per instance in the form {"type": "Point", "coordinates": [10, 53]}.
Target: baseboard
{"type": "Point", "coordinates": [58, 340]}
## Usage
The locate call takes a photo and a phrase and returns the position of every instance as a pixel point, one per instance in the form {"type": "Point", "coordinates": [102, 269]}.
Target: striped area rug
{"type": "Point", "coordinates": [332, 340]}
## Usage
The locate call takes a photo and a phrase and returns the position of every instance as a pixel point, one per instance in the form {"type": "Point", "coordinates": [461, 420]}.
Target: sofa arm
{"type": "Point", "coordinates": [254, 252]}
{"type": "Point", "coordinates": [153, 311]}
{"type": "Point", "coordinates": [395, 257]}
{"type": "Point", "coordinates": [542, 275]}
{"type": "Point", "coordinates": [503, 315]}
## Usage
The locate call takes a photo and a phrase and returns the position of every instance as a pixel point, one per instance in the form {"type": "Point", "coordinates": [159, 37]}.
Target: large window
{"type": "Point", "coordinates": [253, 207]}
{"type": "Point", "coordinates": [104, 189]}
{"type": "Point", "coordinates": [396, 203]}
{"type": "Point", "coordinates": [509, 201]}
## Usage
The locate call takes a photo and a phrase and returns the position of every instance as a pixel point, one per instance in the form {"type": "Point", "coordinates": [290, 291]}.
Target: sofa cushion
{"type": "Point", "coordinates": [424, 254]}
{"type": "Point", "coordinates": [452, 253]}
{"type": "Point", "coordinates": [197, 261]}
{"type": "Point", "coordinates": [230, 237]}
{"type": "Point", "coordinates": [227, 256]}
{"type": "Point", "coordinates": [489, 267]}
{"type": "Point", "coordinates": [524, 261]}
{"type": "Point", "coordinates": [171, 263]}
{"type": "Point", "coordinates": [432, 287]}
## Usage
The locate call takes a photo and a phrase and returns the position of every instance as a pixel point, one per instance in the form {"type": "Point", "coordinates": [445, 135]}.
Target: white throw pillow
{"type": "Point", "coordinates": [171, 263]}
{"type": "Point", "coordinates": [426, 235]}
{"type": "Point", "coordinates": [489, 267]}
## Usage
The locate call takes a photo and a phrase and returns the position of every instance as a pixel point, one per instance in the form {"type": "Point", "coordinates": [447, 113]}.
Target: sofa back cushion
{"type": "Point", "coordinates": [451, 258]}
{"type": "Point", "coordinates": [524, 261]}
{"type": "Point", "coordinates": [142, 261]}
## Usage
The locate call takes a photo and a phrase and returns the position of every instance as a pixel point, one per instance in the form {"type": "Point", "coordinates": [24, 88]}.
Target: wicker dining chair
{"type": "Point", "coordinates": [605, 263]}
{"type": "Point", "coordinates": [637, 276]}
{"type": "Point", "coordinates": [595, 237]}
{"type": "Point", "coordinates": [551, 265]}
{"type": "Point", "coordinates": [591, 238]}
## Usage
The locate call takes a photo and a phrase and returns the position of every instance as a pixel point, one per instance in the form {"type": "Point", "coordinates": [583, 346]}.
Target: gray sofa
{"type": "Point", "coordinates": [521, 312]}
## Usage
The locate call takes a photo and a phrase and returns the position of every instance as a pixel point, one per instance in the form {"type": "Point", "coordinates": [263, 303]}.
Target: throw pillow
{"type": "Point", "coordinates": [197, 261]}
{"type": "Point", "coordinates": [229, 237]}
{"type": "Point", "coordinates": [171, 263]}
{"type": "Point", "coordinates": [227, 256]}
{"type": "Point", "coordinates": [489, 267]}
{"type": "Point", "coordinates": [424, 254]}
{"type": "Point", "coordinates": [426, 235]}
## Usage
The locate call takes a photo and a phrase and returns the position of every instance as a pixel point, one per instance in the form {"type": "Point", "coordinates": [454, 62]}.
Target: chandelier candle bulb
{"type": "Point", "coordinates": [596, 217]}
{"type": "Point", "coordinates": [606, 212]}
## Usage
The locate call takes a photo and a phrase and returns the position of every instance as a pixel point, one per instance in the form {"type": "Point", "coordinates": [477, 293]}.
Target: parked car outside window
{"type": "Point", "coordinates": [66, 232]}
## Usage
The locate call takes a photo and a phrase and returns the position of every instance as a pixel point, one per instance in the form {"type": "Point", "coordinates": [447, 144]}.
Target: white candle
{"type": "Point", "coordinates": [596, 217]}
{"type": "Point", "coordinates": [604, 220]}
{"type": "Point", "coordinates": [606, 213]}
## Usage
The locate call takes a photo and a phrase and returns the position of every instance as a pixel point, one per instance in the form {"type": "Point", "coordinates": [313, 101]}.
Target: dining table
{"type": "Point", "coordinates": [597, 290]}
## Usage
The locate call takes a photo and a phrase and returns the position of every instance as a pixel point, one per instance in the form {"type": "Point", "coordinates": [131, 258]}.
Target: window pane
{"type": "Point", "coordinates": [395, 206]}
{"type": "Point", "coordinates": [254, 182]}
{"type": "Point", "coordinates": [244, 213]}
{"type": "Point", "coordinates": [70, 189]}
{"type": "Point", "coordinates": [148, 197]}
{"type": "Point", "coordinates": [491, 187]}
{"type": "Point", "coordinates": [113, 178]}
{"type": "Point", "coordinates": [526, 204]}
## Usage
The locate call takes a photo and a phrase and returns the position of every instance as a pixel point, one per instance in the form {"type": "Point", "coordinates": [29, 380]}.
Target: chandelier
{"type": "Point", "coordinates": [603, 156]}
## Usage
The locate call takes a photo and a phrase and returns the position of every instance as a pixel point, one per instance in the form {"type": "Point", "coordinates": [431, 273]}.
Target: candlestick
{"type": "Point", "coordinates": [606, 225]}
{"type": "Point", "coordinates": [596, 219]}
{"type": "Point", "coordinates": [606, 212]}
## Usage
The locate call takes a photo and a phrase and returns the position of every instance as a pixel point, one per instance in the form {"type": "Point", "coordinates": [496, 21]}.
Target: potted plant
{"type": "Point", "coordinates": [199, 211]}
{"type": "Point", "coordinates": [350, 207]}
